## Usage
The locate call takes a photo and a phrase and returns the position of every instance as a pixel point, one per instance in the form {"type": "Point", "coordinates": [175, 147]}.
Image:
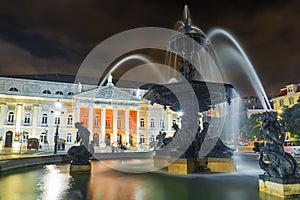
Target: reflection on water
{"type": "Point", "coordinates": [56, 182]}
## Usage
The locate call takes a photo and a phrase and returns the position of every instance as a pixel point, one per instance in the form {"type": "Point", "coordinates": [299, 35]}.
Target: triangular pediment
{"type": "Point", "coordinates": [108, 92]}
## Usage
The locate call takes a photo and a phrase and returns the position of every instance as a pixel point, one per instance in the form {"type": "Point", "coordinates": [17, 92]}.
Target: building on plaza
{"type": "Point", "coordinates": [287, 97]}
{"type": "Point", "coordinates": [110, 113]}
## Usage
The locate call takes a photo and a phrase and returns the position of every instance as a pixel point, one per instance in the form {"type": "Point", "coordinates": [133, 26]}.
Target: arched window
{"type": "Point", "coordinates": [13, 89]}
{"type": "Point", "coordinates": [70, 93]}
{"type": "Point", "coordinates": [10, 117]}
{"type": "Point", "coordinates": [59, 93]}
{"type": "Point", "coordinates": [44, 119]}
{"type": "Point", "coordinates": [46, 92]}
{"type": "Point", "coordinates": [27, 118]}
{"type": "Point", "coordinates": [70, 120]}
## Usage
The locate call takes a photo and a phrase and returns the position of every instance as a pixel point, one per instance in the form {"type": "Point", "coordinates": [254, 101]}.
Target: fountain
{"type": "Point", "coordinates": [190, 95]}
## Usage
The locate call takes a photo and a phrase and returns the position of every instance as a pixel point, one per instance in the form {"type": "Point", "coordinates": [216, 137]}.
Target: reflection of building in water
{"type": "Point", "coordinates": [110, 113]}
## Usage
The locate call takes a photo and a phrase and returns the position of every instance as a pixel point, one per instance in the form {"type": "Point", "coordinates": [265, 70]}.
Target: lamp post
{"type": "Point", "coordinates": [57, 113]}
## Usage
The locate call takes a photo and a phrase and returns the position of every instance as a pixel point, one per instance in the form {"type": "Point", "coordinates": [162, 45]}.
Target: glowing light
{"type": "Point", "coordinates": [180, 114]}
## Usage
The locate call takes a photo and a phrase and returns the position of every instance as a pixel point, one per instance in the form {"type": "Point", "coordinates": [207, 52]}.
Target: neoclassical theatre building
{"type": "Point", "coordinates": [111, 114]}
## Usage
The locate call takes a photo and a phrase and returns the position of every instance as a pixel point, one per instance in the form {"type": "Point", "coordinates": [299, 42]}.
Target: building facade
{"type": "Point", "coordinates": [288, 96]}
{"type": "Point", "coordinates": [111, 114]}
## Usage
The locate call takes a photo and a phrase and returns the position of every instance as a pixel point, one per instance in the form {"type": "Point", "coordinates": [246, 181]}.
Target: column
{"type": "Point", "coordinates": [138, 125]}
{"type": "Point", "coordinates": [90, 123]}
{"type": "Point", "coordinates": [103, 119]}
{"type": "Point", "coordinates": [19, 118]}
{"type": "Point", "coordinates": [77, 114]}
{"type": "Point", "coordinates": [34, 121]}
{"type": "Point", "coordinates": [127, 125]}
{"type": "Point", "coordinates": [115, 125]}
{"type": "Point", "coordinates": [3, 113]}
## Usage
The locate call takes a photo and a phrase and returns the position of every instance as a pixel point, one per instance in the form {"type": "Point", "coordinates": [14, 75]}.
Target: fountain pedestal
{"type": "Point", "coordinates": [285, 188]}
{"type": "Point", "coordinates": [182, 166]}
{"type": "Point", "coordinates": [220, 164]}
{"type": "Point", "coordinates": [80, 168]}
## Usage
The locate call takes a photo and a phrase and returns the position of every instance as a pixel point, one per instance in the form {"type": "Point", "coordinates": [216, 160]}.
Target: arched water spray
{"type": "Point", "coordinates": [131, 57]}
{"type": "Point", "coordinates": [256, 83]}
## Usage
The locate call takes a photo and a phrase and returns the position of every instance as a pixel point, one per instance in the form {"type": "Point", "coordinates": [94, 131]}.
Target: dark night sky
{"type": "Point", "coordinates": [54, 36]}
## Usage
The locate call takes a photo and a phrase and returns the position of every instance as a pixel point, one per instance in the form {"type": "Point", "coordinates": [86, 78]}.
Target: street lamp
{"type": "Point", "coordinates": [57, 113]}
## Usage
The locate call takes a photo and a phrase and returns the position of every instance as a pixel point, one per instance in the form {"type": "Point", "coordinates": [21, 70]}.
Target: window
{"type": "Point", "coordinates": [119, 123]}
{"type": "Point", "coordinates": [291, 100]}
{"type": "Point", "coordinates": [25, 137]}
{"type": "Point", "coordinates": [46, 92]}
{"type": "Point", "coordinates": [70, 120]}
{"type": "Point", "coordinates": [96, 121]}
{"type": "Point", "coordinates": [57, 120]}
{"type": "Point", "coordinates": [151, 123]}
{"type": "Point", "coordinates": [142, 139]}
{"type": "Point", "coordinates": [43, 138]}
{"type": "Point", "coordinates": [69, 137]}
{"type": "Point", "coordinates": [13, 89]}
{"type": "Point", "coordinates": [281, 102]}
{"type": "Point", "coordinates": [71, 93]}
{"type": "Point", "coordinates": [44, 119]}
{"type": "Point", "coordinates": [142, 123]}
{"type": "Point", "coordinates": [162, 124]}
{"type": "Point", "coordinates": [10, 117]}
{"type": "Point", "coordinates": [107, 122]}
{"type": "Point", "coordinates": [27, 118]}
{"type": "Point", "coordinates": [59, 93]}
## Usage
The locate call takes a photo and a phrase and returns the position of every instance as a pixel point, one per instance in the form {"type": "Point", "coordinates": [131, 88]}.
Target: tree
{"type": "Point", "coordinates": [252, 126]}
{"type": "Point", "coordinates": [291, 116]}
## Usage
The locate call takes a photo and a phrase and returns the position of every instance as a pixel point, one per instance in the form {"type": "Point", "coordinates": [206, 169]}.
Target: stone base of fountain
{"type": "Point", "coordinates": [182, 166]}
{"type": "Point", "coordinates": [80, 168]}
{"type": "Point", "coordinates": [220, 164]}
{"type": "Point", "coordinates": [287, 188]}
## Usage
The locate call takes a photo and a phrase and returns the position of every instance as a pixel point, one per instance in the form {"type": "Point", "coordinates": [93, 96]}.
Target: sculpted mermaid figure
{"type": "Point", "coordinates": [273, 159]}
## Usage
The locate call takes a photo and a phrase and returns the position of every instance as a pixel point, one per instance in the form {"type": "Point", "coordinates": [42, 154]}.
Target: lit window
{"type": "Point", "coordinates": [70, 120]}
{"type": "Point", "coordinates": [281, 102]}
{"type": "Point", "coordinates": [10, 117]}
{"type": "Point", "coordinates": [119, 123]}
{"type": "Point", "coordinates": [107, 122]}
{"type": "Point", "coordinates": [96, 121]}
{"type": "Point", "coordinates": [291, 100]}
{"type": "Point", "coordinates": [142, 123]}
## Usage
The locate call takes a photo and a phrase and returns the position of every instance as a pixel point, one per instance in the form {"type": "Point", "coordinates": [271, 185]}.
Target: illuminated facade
{"type": "Point", "coordinates": [288, 96]}
{"type": "Point", "coordinates": [112, 114]}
